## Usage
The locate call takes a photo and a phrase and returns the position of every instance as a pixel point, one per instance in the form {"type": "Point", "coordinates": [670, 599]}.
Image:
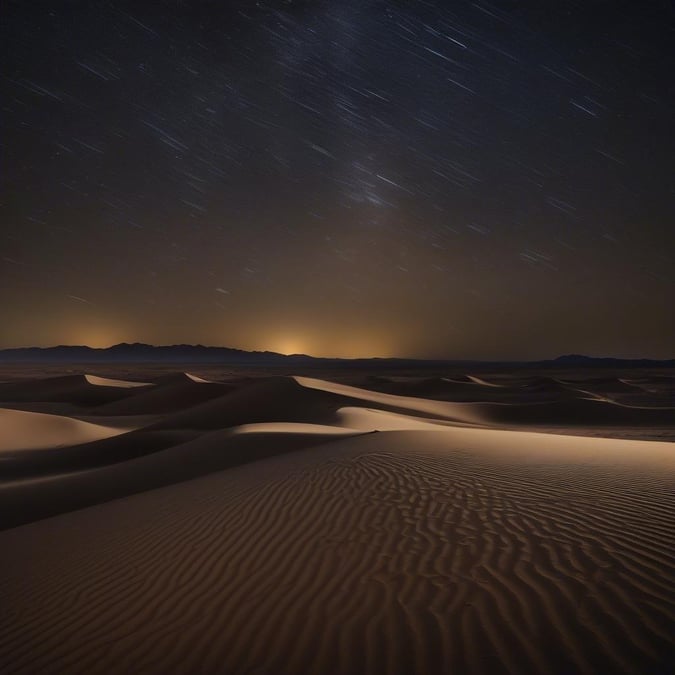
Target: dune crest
{"type": "Point", "coordinates": [107, 382]}
{"type": "Point", "coordinates": [195, 378]}
{"type": "Point", "coordinates": [482, 382]}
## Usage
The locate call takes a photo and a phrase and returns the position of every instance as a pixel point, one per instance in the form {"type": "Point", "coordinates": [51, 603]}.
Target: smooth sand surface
{"type": "Point", "coordinates": [21, 430]}
{"type": "Point", "coordinates": [295, 525]}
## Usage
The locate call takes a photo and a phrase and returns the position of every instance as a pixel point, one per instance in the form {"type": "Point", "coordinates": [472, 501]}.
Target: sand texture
{"type": "Point", "coordinates": [290, 525]}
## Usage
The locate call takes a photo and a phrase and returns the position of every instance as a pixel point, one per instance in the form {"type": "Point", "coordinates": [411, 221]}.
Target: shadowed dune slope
{"type": "Point", "coordinates": [168, 397]}
{"type": "Point", "coordinates": [604, 385]}
{"type": "Point", "coordinates": [72, 458]}
{"type": "Point", "coordinates": [549, 385]}
{"type": "Point", "coordinates": [575, 412]}
{"type": "Point", "coordinates": [153, 459]}
{"type": "Point", "coordinates": [567, 401]}
{"type": "Point", "coordinates": [661, 383]}
{"type": "Point", "coordinates": [274, 399]}
{"type": "Point", "coordinates": [399, 552]}
{"type": "Point", "coordinates": [73, 389]}
{"type": "Point", "coordinates": [475, 390]}
{"type": "Point", "coordinates": [440, 388]}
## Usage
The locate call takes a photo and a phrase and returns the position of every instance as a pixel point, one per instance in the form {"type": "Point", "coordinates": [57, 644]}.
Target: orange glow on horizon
{"type": "Point", "coordinates": [97, 336]}
{"type": "Point", "coordinates": [334, 347]}
{"type": "Point", "coordinates": [288, 345]}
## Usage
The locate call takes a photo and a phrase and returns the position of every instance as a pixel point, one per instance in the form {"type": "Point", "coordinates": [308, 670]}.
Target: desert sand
{"type": "Point", "coordinates": [462, 523]}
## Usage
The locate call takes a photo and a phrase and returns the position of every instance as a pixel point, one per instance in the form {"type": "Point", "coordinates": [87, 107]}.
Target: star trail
{"type": "Point", "coordinates": [347, 178]}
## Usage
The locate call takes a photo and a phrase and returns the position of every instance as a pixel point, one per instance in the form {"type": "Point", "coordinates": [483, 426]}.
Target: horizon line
{"type": "Point", "coordinates": [340, 358]}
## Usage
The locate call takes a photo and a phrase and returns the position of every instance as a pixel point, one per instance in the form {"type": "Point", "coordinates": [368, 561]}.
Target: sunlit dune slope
{"type": "Point", "coordinates": [31, 431]}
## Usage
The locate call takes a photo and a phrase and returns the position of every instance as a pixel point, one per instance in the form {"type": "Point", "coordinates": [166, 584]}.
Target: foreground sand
{"type": "Point", "coordinates": [293, 525]}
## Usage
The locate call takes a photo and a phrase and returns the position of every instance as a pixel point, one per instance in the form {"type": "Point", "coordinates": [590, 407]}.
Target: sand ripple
{"type": "Point", "coordinates": [382, 553]}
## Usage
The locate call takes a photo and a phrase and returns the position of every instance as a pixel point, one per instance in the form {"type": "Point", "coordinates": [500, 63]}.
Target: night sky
{"type": "Point", "coordinates": [343, 178]}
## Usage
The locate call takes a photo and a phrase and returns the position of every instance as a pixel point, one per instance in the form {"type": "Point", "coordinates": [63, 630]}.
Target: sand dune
{"type": "Point", "coordinates": [457, 412]}
{"type": "Point", "coordinates": [391, 552]}
{"type": "Point", "coordinates": [578, 411]}
{"type": "Point", "coordinates": [287, 399]}
{"type": "Point", "coordinates": [372, 419]}
{"type": "Point", "coordinates": [65, 460]}
{"type": "Point", "coordinates": [32, 431]}
{"type": "Point", "coordinates": [654, 383]}
{"type": "Point", "coordinates": [73, 389]}
{"type": "Point", "coordinates": [473, 389]}
{"type": "Point", "coordinates": [603, 384]}
{"type": "Point", "coordinates": [107, 382]}
{"type": "Point", "coordinates": [167, 396]}
{"type": "Point", "coordinates": [439, 388]}
{"type": "Point", "coordinates": [294, 525]}
{"type": "Point", "coordinates": [160, 458]}
{"type": "Point", "coordinates": [548, 384]}
{"type": "Point", "coordinates": [482, 382]}
{"type": "Point", "coordinates": [173, 378]}
{"type": "Point", "coordinates": [195, 378]}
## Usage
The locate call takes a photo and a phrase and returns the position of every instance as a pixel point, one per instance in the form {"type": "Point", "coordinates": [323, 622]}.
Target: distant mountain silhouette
{"type": "Point", "coordinates": [139, 352]}
{"type": "Point", "coordinates": [144, 353]}
{"type": "Point", "coordinates": [581, 361]}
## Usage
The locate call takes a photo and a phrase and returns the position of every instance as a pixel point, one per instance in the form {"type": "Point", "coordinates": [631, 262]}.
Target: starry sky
{"type": "Point", "coordinates": [341, 178]}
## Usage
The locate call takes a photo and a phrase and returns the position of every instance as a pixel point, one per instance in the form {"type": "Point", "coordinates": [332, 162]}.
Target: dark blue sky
{"type": "Point", "coordinates": [462, 180]}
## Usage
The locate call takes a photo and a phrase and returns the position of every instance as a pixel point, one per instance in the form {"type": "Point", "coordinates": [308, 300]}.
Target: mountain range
{"type": "Point", "coordinates": [183, 353]}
